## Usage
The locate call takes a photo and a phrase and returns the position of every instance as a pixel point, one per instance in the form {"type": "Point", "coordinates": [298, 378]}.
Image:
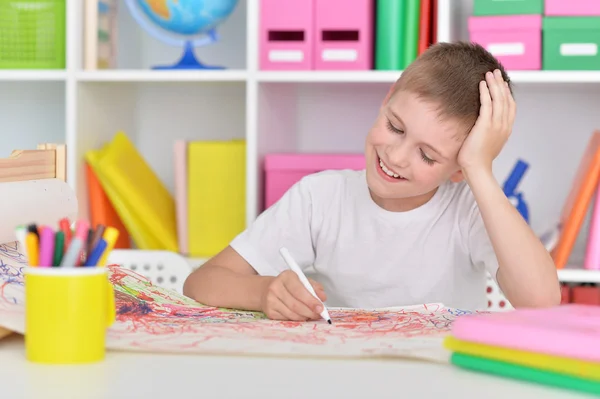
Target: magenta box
{"type": "Point", "coordinates": [286, 34]}
{"type": "Point", "coordinates": [516, 40]}
{"type": "Point", "coordinates": [571, 7]}
{"type": "Point", "coordinates": [282, 171]}
{"type": "Point", "coordinates": [343, 34]}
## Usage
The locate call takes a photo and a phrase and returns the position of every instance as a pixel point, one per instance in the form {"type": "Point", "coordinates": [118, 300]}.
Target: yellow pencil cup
{"type": "Point", "coordinates": [67, 313]}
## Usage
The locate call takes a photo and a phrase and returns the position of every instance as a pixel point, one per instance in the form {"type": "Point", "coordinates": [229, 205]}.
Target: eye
{"type": "Point", "coordinates": [393, 129]}
{"type": "Point", "coordinates": [426, 159]}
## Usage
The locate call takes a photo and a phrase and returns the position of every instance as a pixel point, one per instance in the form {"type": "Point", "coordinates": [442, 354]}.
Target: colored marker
{"type": "Point", "coordinates": [32, 228]}
{"type": "Point", "coordinates": [71, 257]}
{"type": "Point", "coordinates": [96, 253]}
{"type": "Point", "coordinates": [98, 233]}
{"type": "Point", "coordinates": [31, 245]}
{"type": "Point", "coordinates": [21, 233]}
{"type": "Point", "coordinates": [46, 246]}
{"type": "Point", "coordinates": [110, 236]}
{"type": "Point", "coordinates": [65, 227]}
{"type": "Point", "coordinates": [81, 232]}
{"type": "Point", "coordinates": [59, 247]}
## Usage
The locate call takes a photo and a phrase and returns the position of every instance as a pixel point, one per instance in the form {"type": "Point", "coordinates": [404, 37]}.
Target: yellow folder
{"type": "Point", "coordinates": [562, 365]}
{"type": "Point", "coordinates": [143, 203]}
{"type": "Point", "coordinates": [216, 194]}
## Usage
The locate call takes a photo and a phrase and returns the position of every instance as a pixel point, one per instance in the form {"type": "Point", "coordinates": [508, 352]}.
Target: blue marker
{"type": "Point", "coordinates": [94, 256]}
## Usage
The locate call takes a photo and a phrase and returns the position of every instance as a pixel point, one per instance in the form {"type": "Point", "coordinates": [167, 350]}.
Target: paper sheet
{"type": "Point", "coordinates": [153, 319]}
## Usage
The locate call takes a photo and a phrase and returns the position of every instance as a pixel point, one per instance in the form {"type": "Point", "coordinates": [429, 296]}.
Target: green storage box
{"type": "Point", "coordinates": [571, 43]}
{"type": "Point", "coordinates": [503, 7]}
{"type": "Point", "coordinates": [32, 34]}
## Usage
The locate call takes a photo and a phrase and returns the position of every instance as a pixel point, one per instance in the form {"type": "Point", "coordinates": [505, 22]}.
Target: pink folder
{"type": "Point", "coordinates": [180, 165]}
{"type": "Point", "coordinates": [568, 330]}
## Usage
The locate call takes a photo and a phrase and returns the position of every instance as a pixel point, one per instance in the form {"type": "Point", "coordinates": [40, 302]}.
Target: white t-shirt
{"type": "Point", "coordinates": [367, 257]}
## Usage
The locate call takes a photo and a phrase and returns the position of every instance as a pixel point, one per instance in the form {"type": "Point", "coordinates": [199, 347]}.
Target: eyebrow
{"type": "Point", "coordinates": [395, 115]}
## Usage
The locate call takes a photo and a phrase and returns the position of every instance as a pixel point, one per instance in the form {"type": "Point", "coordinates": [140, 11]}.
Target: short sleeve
{"type": "Point", "coordinates": [286, 223]}
{"type": "Point", "coordinates": [480, 245]}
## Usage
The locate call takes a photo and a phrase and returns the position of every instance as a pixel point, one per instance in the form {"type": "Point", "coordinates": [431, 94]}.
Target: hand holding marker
{"type": "Point", "coordinates": [46, 248]}
{"type": "Point", "coordinates": [296, 269]}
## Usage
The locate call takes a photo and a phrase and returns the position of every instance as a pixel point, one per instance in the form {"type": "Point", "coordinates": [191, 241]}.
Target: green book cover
{"type": "Point", "coordinates": [411, 31]}
{"type": "Point", "coordinates": [524, 373]}
{"type": "Point", "coordinates": [389, 34]}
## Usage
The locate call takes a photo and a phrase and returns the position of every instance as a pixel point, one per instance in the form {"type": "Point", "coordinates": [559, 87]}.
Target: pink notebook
{"type": "Point", "coordinates": [180, 165]}
{"type": "Point", "coordinates": [571, 330]}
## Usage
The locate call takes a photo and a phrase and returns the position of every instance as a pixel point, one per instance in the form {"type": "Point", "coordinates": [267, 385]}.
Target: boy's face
{"type": "Point", "coordinates": [410, 141]}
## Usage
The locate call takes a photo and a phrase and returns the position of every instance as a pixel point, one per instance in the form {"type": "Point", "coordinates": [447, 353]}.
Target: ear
{"type": "Point", "coordinates": [457, 176]}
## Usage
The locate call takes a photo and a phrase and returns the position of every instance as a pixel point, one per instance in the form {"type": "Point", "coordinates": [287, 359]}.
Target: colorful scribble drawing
{"type": "Point", "coordinates": [153, 319]}
{"type": "Point", "coordinates": [12, 291]}
{"type": "Point", "coordinates": [150, 318]}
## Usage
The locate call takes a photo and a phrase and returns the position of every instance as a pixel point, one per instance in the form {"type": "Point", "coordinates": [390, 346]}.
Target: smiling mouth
{"type": "Point", "coordinates": [390, 172]}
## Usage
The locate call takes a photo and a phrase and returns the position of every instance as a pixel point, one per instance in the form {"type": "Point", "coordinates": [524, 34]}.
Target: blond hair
{"type": "Point", "coordinates": [448, 75]}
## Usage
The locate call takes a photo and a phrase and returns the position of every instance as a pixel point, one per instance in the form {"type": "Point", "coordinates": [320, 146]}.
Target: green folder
{"type": "Point", "coordinates": [515, 371]}
{"type": "Point", "coordinates": [411, 31]}
{"type": "Point", "coordinates": [389, 34]}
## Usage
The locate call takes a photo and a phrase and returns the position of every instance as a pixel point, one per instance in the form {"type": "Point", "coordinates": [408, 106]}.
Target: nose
{"type": "Point", "coordinates": [399, 155]}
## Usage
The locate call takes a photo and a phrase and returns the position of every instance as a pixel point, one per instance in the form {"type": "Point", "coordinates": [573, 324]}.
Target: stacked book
{"type": "Point", "coordinates": [554, 346]}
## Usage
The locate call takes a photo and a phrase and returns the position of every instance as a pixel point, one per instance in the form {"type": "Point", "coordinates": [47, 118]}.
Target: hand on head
{"type": "Point", "coordinates": [285, 298]}
{"type": "Point", "coordinates": [493, 126]}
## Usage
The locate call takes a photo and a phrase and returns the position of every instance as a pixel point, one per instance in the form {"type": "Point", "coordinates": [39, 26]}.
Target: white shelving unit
{"type": "Point", "coordinates": [304, 111]}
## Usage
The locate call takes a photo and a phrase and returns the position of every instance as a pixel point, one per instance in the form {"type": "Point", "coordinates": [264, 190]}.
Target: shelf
{"type": "Point", "coordinates": [579, 276]}
{"type": "Point", "coordinates": [392, 76]}
{"type": "Point", "coordinates": [32, 75]}
{"type": "Point", "coordinates": [162, 76]}
{"type": "Point", "coordinates": [555, 76]}
{"type": "Point", "coordinates": [329, 76]}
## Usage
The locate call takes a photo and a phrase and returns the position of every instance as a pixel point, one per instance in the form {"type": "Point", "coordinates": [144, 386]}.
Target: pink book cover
{"type": "Point", "coordinates": [571, 330]}
{"type": "Point", "coordinates": [180, 167]}
{"type": "Point", "coordinates": [592, 254]}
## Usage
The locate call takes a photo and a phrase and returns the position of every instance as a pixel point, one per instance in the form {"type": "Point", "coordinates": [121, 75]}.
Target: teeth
{"type": "Point", "coordinates": [387, 171]}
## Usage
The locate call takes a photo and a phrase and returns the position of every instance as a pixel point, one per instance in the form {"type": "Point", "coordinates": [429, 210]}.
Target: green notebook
{"type": "Point", "coordinates": [411, 31]}
{"type": "Point", "coordinates": [525, 373]}
{"type": "Point", "coordinates": [389, 35]}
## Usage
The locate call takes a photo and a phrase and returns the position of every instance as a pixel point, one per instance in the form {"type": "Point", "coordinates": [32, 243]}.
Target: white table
{"type": "Point", "coordinates": [137, 375]}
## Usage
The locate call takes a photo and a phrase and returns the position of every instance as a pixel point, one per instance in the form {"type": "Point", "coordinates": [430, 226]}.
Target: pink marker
{"type": "Point", "coordinates": [46, 247]}
{"type": "Point", "coordinates": [81, 232]}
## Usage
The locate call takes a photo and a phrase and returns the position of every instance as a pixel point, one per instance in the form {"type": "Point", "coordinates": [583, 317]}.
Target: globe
{"type": "Point", "coordinates": [183, 23]}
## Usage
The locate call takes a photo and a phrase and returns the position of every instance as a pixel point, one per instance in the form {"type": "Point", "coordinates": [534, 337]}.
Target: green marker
{"type": "Point", "coordinates": [59, 243]}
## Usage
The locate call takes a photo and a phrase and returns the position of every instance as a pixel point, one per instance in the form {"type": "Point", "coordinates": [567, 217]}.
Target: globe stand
{"type": "Point", "coordinates": [188, 61]}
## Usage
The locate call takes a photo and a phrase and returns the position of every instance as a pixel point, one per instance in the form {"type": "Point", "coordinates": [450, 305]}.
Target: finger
{"type": "Point", "coordinates": [287, 313]}
{"type": "Point", "coordinates": [297, 305]}
{"type": "Point", "coordinates": [275, 315]}
{"type": "Point", "coordinates": [315, 284]}
{"type": "Point", "coordinates": [301, 294]}
{"type": "Point", "coordinates": [321, 294]}
{"type": "Point", "coordinates": [497, 98]}
{"type": "Point", "coordinates": [512, 106]}
{"type": "Point", "coordinates": [502, 86]}
{"type": "Point", "coordinates": [485, 112]}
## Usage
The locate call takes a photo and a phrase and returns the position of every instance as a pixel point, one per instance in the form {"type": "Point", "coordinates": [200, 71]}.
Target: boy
{"type": "Point", "coordinates": [422, 223]}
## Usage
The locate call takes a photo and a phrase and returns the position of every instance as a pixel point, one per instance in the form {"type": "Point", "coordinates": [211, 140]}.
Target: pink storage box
{"type": "Point", "coordinates": [343, 34]}
{"type": "Point", "coordinates": [282, 171]}
{"type": "Point", "coordinates": [516, 40]}
{"type": "Point", "coordinates": [286, 34]}
{"type": "Point", "coordinates": [571, 7]}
